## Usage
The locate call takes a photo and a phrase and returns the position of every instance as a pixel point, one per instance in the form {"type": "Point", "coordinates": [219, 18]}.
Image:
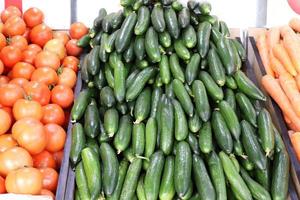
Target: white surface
{"type": "Point", "coordinates": [23, 197]}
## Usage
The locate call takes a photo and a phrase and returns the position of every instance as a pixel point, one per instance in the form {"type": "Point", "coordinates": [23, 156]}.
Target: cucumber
{"type": "Point", "coordinates": [177, 6]}
{"type": "Point", "coordinates": [153, 175]}
{"type": "Point", "coordinates": [137, 4]}
{"type": "Point", "coordinates": [143, 21]}
{"type": "Point", "coordinates": [129, 154]}
{"type": "Point", "coordinates": [140, 189]}
{"type": "Point", "coordinates": [109, 76]}
{"type": "Point", "coordinates": [150, 138]}
{"type": "Point", "coordinates": [230, 82]}
{"type": "Point", "coordinates": [189, 193]}
{"type": "Point", "coordinates": [125, 33]}
{"type": "Point", "coordinates": [80, 105]}
{"type": "Point", "coordinates": [183, 97]}
{"type": "Point", "coordinates": [213, 90]}
{"type": "Point", "coordinates": [131, 77]}
{"type": "Point", "coordinates": [223, 49]}
{"type": "Point", "coordinates": [248, 166]}
{"type": "Point", "coordinates": [266, 132]}
{"type": "Point", "coordinates": [201, 100]}
{"type": "Point", "coordinates": [102, 55]}
{"type": "Point", "coordinates": [205, 138]}
{"type": "Point", "coordinates": [107, 97]}
{"type": "Point", "coordinates": [157, 18]}
{"type": "Point", "coordinates": [128, 11]}
{"type": "Point", "coordinates": [139, 47]}
{"type": "Point", "coordinates": [180, 123]}
{"type": "Point", "coordinates": [203, 63]}
{"type": "Point", "coordinates": [98, 20]}
{"type": "Point", "coordinates": [192, 5]}
{"type": "Point", "coordinates": [205, 8]}
{"type": "Point", "coordinates": [169, 91]}
{"type": "Point", "coordinates": [203, 35]}
{"type": "Point", "coordinates": [99, 80]}
{"type": "Point", "coordinates": [110, 168]}
{"type": "Point", "coordinates": [126, 3]}
{"type": "Point", "coordinates": [167, 126]}
{"type": "Point", "coordinates": [247, 108]}
{"type": "Point", "coordinates": [166, 2]}
{"type": "Point", "coordinates": [230, 98]}
{"type": "Point", "coordinates": [171, 22]}
{"type": "Point", "coordinates": [175, 68]}
{"type": "Point", "coordinates": [235, 163]}
{"type": "Point", "coordinates": [85, 76]}
{"type": "Point", "coordinates": [77, 197]}
{"type": "Point", "coordinates": [165, 39]}
{"type": "Point", "coordinates": [142, 106]}
{"type": "Point", "coordinates": [117, 19]}
{"type": "Point", "coordinates": [246, 86]}
{"type": "Point", "coordinates": [102, 137]}
{"type": "Point", "coordinates": [122, 108]}
{"type": "Point", "coordinates": [91, 120]}
{"type": "Point", "coordinates": [129, 54]}
{"type": "Point", "coordinates": [221, 132]}
{"type": "Point", "coordinates": [181, 51]}
{"type": "Point", "coordinates": [152, 46]}
{"type": "Point", "coordinates": [279, 145]}
{"type": "Point", "coordinates": [194, 123]}
{"type": "Point", "coordinates": [202, 180]}
{"type": "Point", "coordinates": [78, 143]}
{"type": "Point", "coordinates": [217, 175]}
{"type": "Point", "coordinates": [212, 19]}
{"type": "Point", "coordinates": [167, 188]}
{"type": "Point", "coordinates": [123, 136]}
{"type": "Point", "coordinates": [238, 148]}
{"type": "Point", "coordinates": [84, 41]}
{"type": "Point", "coordinates": [106, 23]}
{"type": "Point", "coordinates": [189, 37]}
{"type": "Point", "coordinates": [240, 49]}
{"type": "Point", "coordinates": [164, 69]}
{"type": "Point", "coordinates": [155, 97]}
{"type": "Point", "coordinates": [215, 67]}
{"type": "Point", "coordinates": [189, 90]}
{"type": "Point", "coordinates": [224, 29]}
{"type": "Point", "coordinates": [96, 39]}
{"type": "Point", "coordinates": [237, 59]}
{"type": "Point", "coordinates": [111, 121]}
{"type": "Point", "coordinates": [158, 81]}
{"type": "Point", "coordinates": [81, 182]}
{"type": "Point", "coordinates": [131, 179]}
{"type": "Point", "coordinates": [252, 146]}
{"type": "Point", "coordinates": [92, 170]}
{"type": "Point", "coordinates": [193, 142]}
{"type": "Point", "coordinates": [183, 168]}
{"type": "Point", "coordinates": [138, 138]}
{"type": "Point", "coordinates": [237, 184]}
{"type": "Point", "coordinates": [192, 68]}
{"type": "Point", "coordinates": [184, 18]}
{"type": "Point", "coordinates": [93, 63]}
{"type": "Point", "coordinates": [114, 58]}
{"type": "Point", "coordinates": [110, 42]}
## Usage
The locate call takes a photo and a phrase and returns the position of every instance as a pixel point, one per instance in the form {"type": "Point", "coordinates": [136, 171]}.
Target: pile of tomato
{"type": "Point", "coordinates": [38, 68]}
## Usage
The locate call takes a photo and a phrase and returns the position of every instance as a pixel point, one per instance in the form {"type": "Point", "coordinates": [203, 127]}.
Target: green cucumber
{"type": "Point", "coordinates": [142, 106]}
{"type": "Point", "coordinates": [138, 138]}
{"type": "Point", "coordinates": [93, 62]}
{"type": "Point", "coordinates": [102, 55]}
{"type": "Point", "coordinates": [237, 59]}
{"type": "Point", "coordinates": [92, 120]}
{"type": "Point", "coordinates": [215, 67]}
{"type": "Point", "coordinates": [129, 54]}
{"type": "Point", "coordinates": [205, 8]}
{"type": "Point", "coordinates": [143, 21]}
{"type": "Point", "coordinates": [223, 49]}
{"type": "Point", "coordinates": [192, 68]}
{"type": "Point", "coordinates": [164, 69]}
{"type": "Point", "coordinates": [117, 19]}
{"type": "Point", "coordinates": [238, 148]}
{"type": "Point", "coordinates": [109, 75]}
{"type": "Point", "coordinates": [189, 90]}
{"type": "Point", "coordinates": [84, 41]}
{"type": "Point", "coordinates": [247, 108]}
{"type": "Point", "coordinates": [80, 105]}
{"type": "Point", "coordinates": [165, 39]}
{"type": "Point", "coordinates": [96, 39]}
{"type": "Point", "coordinates": [177, 6]}
{"type": "Point", "coordinates": [213, 90]}
{"type": "Point", "coordinates": [240, 49]}
{"type": "Point", "coordinates": [131, 78]}
{"type": "Point", "coordinates": [167, 188]}
{"type": "Point", "coordinates": [110, 42]}
{"type": "Point", "coordinates": [155, 97]}
{"type": "Point", "coordinates": [201, 100]}
{"type": "Point", "coordinates": [169, 90]}
{"type": "Point", "coordinates": [111, 121]}
{"type": "Point", "coordinates": [224, 29]}
{"type": "Point", "coordinates": [249, 166]}
{"type": "Point", "coordinates": [180, 123]}
{"type": "Point", "coordinates": [129, 154]}
{"type": "Point", "coordinates": [152, 46]}
{"type": "Point", "coordinates": [81, 182]}
{"type": "Point", "coordinates": [184, 18]}
{"type": "Point", "coordinates": [106, 23]}
{"type": "Point", "coordinates": [230, 82]}
{"type": "Point", "coordinates": [123, 136]}
{"type": "Point", "coordinates": [171, 22]}
{"type": "Point", "coordinates": [205, 138]}
{"type": "Point", "coordinates": [107, 97]}
{"type": "Point", "coordinates": [203, 35]}
{"type": "Point", "coordinates": [85, 76]}
{"type": "Point", "coordinates": [139, 47]}
{"type": "Point", "coordinates": [235, 162]}
{"type": "Point", "coordinates": [137, 4]}
{"type": "Point", "coordinates": [140, 189]}
{"type": "Point", "coordinates": [167, 126]}
{"type": "Point", "coordinates": [203, 63]}
{"type": "Point", "coordinates": [230, 98]}
{"type": "Point", "coordinates": [99, 80]}
{"type": "Point", "coordinates": [98, 20]}
{"type": "Point", "coordinates": [150, 138]}
{"type": "Point", "coordinates": [193, 142]}
{"type": "Point", "coordinates": [157, 18]}
{"type": "Point", "coordinates": [189, 37]}
{"type": "Point", "coordinates": [194, 123]}
{"type": "Point", "coordinates": [181, 51]}
{"type": "Point", "coordinates": [175, 68]}
{"type": "Point", "coordinates": [78, 143]}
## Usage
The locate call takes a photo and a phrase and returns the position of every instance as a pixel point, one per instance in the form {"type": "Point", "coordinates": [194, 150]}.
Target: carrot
{"type": "Point", "coordinates": [273, 37]}
{"type": "Point", "coordinates": [294, 23]}
{"type": "Point", "coordinates": [280, 53]}
{"type": "Point", "coordinates": [291, 126]}
{"type": "Point", "coordinates": [284, 30]}
{"type": "Point", "coordinates": [276, 66]}
{"type": "Point", "coordinates": [262, 47]}
{"type": "Point", "coordinates": [286, 119]}
{"type": "Point", "coordinates": [273, 88]}
{"type": "Point", "coordinates": [292, 45]}
{"type": "Point", "coordinates": [295, 140]}
{"type": "Point", "coordinates": [297, 78]}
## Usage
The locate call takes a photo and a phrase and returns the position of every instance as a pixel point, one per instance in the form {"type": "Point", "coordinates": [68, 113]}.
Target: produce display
{"type": "Point", "coordinates": [166, 111]}
{"type": "Point", "coordinates": [279, 48]}
{"type": "Point", "coordinates": [38, 69]}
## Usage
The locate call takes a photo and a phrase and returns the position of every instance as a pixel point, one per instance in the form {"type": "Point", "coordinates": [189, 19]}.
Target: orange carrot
{"type": "Point", "coordinates": [273, 37]}
{"type": "Point", "coordinates": [280, 53]}
{"type": "Point", "coordinates": [262, 47]}
{"type": "Point", "coordinates": [295, 140]}
{"type": "Point", "coordinates": [291, 126]}
{"type": "Point", "coordinates": [273, 88]}
{"type": "Point", "coordinates": [295, 24]}
{"type": "Point", "coordinates": [276, 66]}
{"type": "Point", "coordinates": [286, 119]}
{"type": "Point", "coordinates": [284, 30]}
{"type": "Point", "coordinates": [292, 45]}
{"type": "Point", "coordinates": [297, 78]}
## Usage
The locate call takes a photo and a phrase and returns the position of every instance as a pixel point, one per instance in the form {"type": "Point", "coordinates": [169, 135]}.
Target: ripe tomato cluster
{"type": "Point", "coordinates": [38, 68]}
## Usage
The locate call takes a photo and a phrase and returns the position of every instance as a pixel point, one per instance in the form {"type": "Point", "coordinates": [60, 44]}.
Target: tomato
{"type": "Point", "coordinates": [10, 55]}
{"type": "Point", "coordinates": [47, 59]}
{"type": "Point", "coordinates": [48, 193]}
{"type": "Point", "coordinates": [2, 185]}
{"type": "Point", "coordinates": [9, 94]}
{"type": "Point", "coordinates": [53, 113]}
{"type": "Point", "coordinates": [29, 56]}
{"type": "Point", "coordinates": [33, 16]}
{"type": "Point", "coordinates": [58, 156]}
{"type": "Point", "coordinates": [40, 34]}
{"type": "Point", "coordinates": [1, 27]}
{"type": "Point", "coordinates": [26, 108]}
{"type": "Point", "coordinates": [19, 42]}
{"type": "Point", "coordinates": [14, 158]}
{"type": "Point", "coordinates": [1, 67]}
{"type": "Point", "coordinates": [10, 11]}
{"type": "Point", "coordinates": [71, 62]}
{"type": "Point", "coordinates": [3, 80]}
{"type": "Point", "coordinates": [56, 137]}
{"type": "Point", "coordinates": [45, 75]}
{"type": "Point", "coordinates": [34, 47]}
{"type": "Point", "coordinates": [2, 41]}
{"type": "Point", "coordinates": [30, 134]}
{"type": "Point", "coordinates": [7, 142]}
{"type": "Point", "coordinates": [77, 30]}
{"type": "Point", "coordinates": [62, 95]}
{"type": "Point", "coordinates": [44, 159]}
{"type": "Point", "coordinates": [22, 70]}
{"type": "Point", "coordinates": [5, 120]}
{"type": "Point", "coordinates": [72, 48]}
{"type": "Point", "coordinates": [61, 35]}
{"type": "Point", "coordinates": [38, 91]}
{"type": "Point", "coordinates": [56, 46]}
{"type": "Point", "coordinates": [50, 178]}
{"type": "Point", "coordinates": [19, 81]}
{"type": "Point", "coordinates": [26, 180]}
{"type": "Point", "coordinates": [14, 25]}
{"type": "Point", "coordinates": [66, 76]}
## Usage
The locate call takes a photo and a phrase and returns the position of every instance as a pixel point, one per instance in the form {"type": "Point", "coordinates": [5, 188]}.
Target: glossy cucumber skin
{"type": "Point", "coordinates": [171, 22]}
{"type": "Point", "coordinates": [184, 18]}
{"type": "Point", "coordinates": [175, 68]}
{"type": "Point", "coordinates": [201, 100]}
{"type": "Point", "coordinates": [203, 35]}
{"type": "Point", "coordinates": [205, 138]}
{"type": "Point", "coordinates": [143, 21]}
{"type": "Point", "coordinates": [78, 143]}
{"type": "Point", "coordinates": [157, 19]}
{"type": "Point", "coordinates": [216, 68]}
{"type": "Point", "coordinates": [167, 126]}
{"type": "Point", "coordinates": [192, 68]}
{"type": "Point", "coordinates": [167, 188]}
{"type": "Point", "coordinates": [180, 122]}
{"type": "Point", "coordinates": [123, 136]}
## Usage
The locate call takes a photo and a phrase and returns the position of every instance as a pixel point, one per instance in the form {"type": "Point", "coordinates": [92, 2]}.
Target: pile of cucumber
{"type": "Point", "coordinates": [166, 112]}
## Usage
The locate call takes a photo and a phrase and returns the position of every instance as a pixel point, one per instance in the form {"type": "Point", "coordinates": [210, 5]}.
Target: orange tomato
{"type": "Point", "coordinates": [9, 94]}
{"type": "Point", "coordinates": [77, 30]}
{"type": "Point", "coordinates": [2, 185]}
{"type": "Point", "coordinates": [26, 34]}
{"type": "Point", "coordinates": [5, 120]}
{"type": "Point", "coordinates": [56, 136]}
{"type": "Point", "coordinates": [72, 48]}
{"type": "Point", "coordinates": [30, 134]}
{"type": "Point", "coordinates": [44, 159]}
{"type": "Point", "coordinates": [19, 81]}
{"type": "Point", "coordinates": [1, 27]}
{"type": "Point", "coordinates": [66, 76]}
{"type": "Point", "coordinates": [71, 62]}
{"type": "Point", "coordinates": [56, 46]}
{"type": "Point", "coordinates": [10, 11]}
{"type": "Point", "coordinates": [19, 42]}
{"type": "Point", "coordinates": [1, 67]}
{"type": "Point", "coordinates": [53, 113]}
{"type": "Point", "coordinates": [26, 180]}
{"type": "Point", "coordinates": [14, 25]}
{"type": "Point", "coordinates": [25, 108]}
{"type": "Point", "coordinates": [3, 80]}
{"type": "Point", "coordinates": [34, 47]}
{"type": "Point", "coordinates": [33, 16]}
{"type": "Point", "coordinates": [62, 95]}
{"type": "Point", "coordinates": [47, 59]}
{"type": "Point", "coordinates": [7, 142]}
{"type": "Point", "coordinates": [22, 70]}
{"type": "Point", "coordinates": [10, 55]}
{"type": "Point", "coordinates": [48, 193]}
{"type": "Point", "coordinates": [38, 91]}
{"type": "Point", "coordinates": [45, 75]}
{"type": "Point", "coordinates": [2, 41]}
{"type": "Point", "coordinates": [40, 34]}
{"type": "Point", "coordinates": [61, 35]}
{"type": "Point", "coordinates": [14, 158]}
{"type": "Point", "coordinates": [58, 156]}
{"type": "Point", "coordinates": [50, 178]}
{"type": "Point", "coordinates": [29, 56]}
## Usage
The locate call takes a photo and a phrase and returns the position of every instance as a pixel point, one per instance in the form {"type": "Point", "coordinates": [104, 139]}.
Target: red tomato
{"type": "Point", "coordinates": [26, 34]}
{"type": "Point", "coordinates": [10, 11]}
{"type": "Point", "coordinates": [33, 16]}
{"type": "Point", "coordinates": [3, 80]}
{"type": "Point", "coordinates": [71, 62]}
{"type": "Point", "coordinates": [77, 30]}
{"type": "Point", "coordinates": [14, 25]}
{"type": "Point", "coordinates": [62, 95]}
{"type": "Point", "coordinates": [1, 67]}
{"type": "Point", "coordinates": [56, 46]}
{"type": "Point", "coordinates": [48, 193]}
{"type": "Point", "coordinates": [38, 92]}
{"type": "Point", "coordinates": [50, 178]}
{"type": "Point", "coordinates": [53, 113]}
{"type": "Point", "coordinates": [29, 56]}
{"type": "Point", "coordinates": [58, 156]}
{"type": "Point", "coordinates": [72, 48]}
{"type": "Point", "coordinates": [2, 185]}
{"type": "Point", "coordinates": [5, 120]}
{"type": "Point", "coordinates": [25, 108]}
{"type": "Point", "coordinates": [66, 76]}
{"type": "Point", "coordinates": [34, 47]}
{"type": "Point", "coordinates": [10, 56]}
{"type": "Point", "coordinates": [19, 81]}
{"type": "Point", "coordinates": [61, 35]}
{"type": "Point", "coordinates": [45, 75]}
{"type": "Point", "coordinates": [2, 41]}
{"type": "Point", "coordinates": [7, 142]}
{"type": "Point", "coordinates": [9, 94]}
{"type": "Point", "coordinates": [40, 34]}
{"type": "Point", "coordinates": [22, 70]}
{"type": "Point", "coordinates": [19, 42]}
{"type": "Point", "coordinates": [44, 159]}
{"type": "Point", "coordinates": [47, 59]}
{"type": "Point", "coordinates": [56, 136]}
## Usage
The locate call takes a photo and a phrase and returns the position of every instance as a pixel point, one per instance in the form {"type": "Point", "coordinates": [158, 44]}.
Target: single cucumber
{"type": "Point", "coordinates": [107, 97]}
{"type": "Point", "coordinates": [165, 39]}
{"type": "Point", "coordinates": [109, 75]}
{"type": "Point", "coordinates": [131, 77]}
{"type": "Point", "coordinates": [84, 41]}
{"type": "Point", "coordinates": [241, 50]}
{"type": "Point", "coordinates": [201, 100]}
{"type": "Point", "coordinates": [223, 49]}
{"type": "Point", "coordinates": [203, 35]}
{"type": "Point", "coordinates": [129, 54]}
{"type": "Point", "coordinates": [98, 20]}
{"type": "Point", "coordinates": [247, 108]}
{"type": "Point", "coordinates": [99, 80]}
{"type": "Point", "coordinates": [143, 21]}
{"type": "Point", "coordinates": [123, 136]}
{"type": "Point", "coordinates": [152, 46]}
{"type": "Point", "coordinates": [263, 177]}
{"type": "Point", "coordinates": [138, 138]}
{"type": "Point", "coordinates": [111, 121]}
{"type": "Point", "coordinates": [93, 62]}
{"type": "Point", "coordinates": [167, 126]}
{"type": "Point", "coordinates": [212, 19]}
{"type": "Point", "coordinates": [129, 154]}
{"type": "Point", "coordinates": [110, 42]}
{"type": "Point", "coordinates": [215, 67]}
{"type": "Point", "coordinates": [81, 182]}
{"type": "Point", "coordinates": [193, 142]}
{"type": "Point", "coordinates": [117, 19]}
{"type": "Point", "coordinates": [122, 108]}
{"type": "Point", "coordinates": [78, 143]}
{"type": "Point", "coordinates": [249, 166]}
{"type": "Point", "coordinates": [194, 123]}
{"type": "Point", "coordinates": [235, 162]}
{"type": "Point", "coordinates": [157, 18]}
{"type": "Point", "coordinates": [142, 105]}
{"type": "Point", "coordinates": [169, 91]}
{"type": "Point", "coordinates": [192, 68]}
{"type": "Point", "coordinates": [137, 4]}
{"type": "Point", "coordinates": [237, 59]}
{"type": "Point", "coordinates": [181, 126]}
{"type": "Point", "coordinates": [91, 120]}
{"type": "Point", "coordinates": [150, 138]}
{"type": "Point", "coordinates": [85, 76]}
{"type": "Point", "coordinates": [224, 29]}
{"type": "Point", "coordinates": [189, 90]}
{"type": "Point", "coordinates": [238, 149]}
{"type": "Point", "coordinates": [171, 22]}
{"type": "Point", "coordinates": [181, 51]}
{"type": "Point", "coordinates": [230, 98]}
{"type": "Point", "coordinates": [213, 90]}
{"type": "Point", "coordinates": [140, 189]}
{"type": "Point", "coordinates": [102, 54]}
{"type": "Point", "coordinates": [203, 63]}
{"type": "Point", "coordinates": [177, 6]}
{"type": "Point", "coordinates": [139, 47]}
{"type": "Point", "coordinates": [175, 68]}
{"type": "Point", "coordinates": [205, 8]}
{"type": "Point", "coordinates": [164, 69]}
{"type": "Point", "coordinates": [184, 18]}
{"type": "Point", "coordinates": [189, 37]}
{"type": "Point", "coordinates": [96, 39]}
{"type": "Point", "coordinates": [205, 138]}
{"type": "Point", "coordinates": [167, 188]}
{"type": "Point", "coordinates": [119, 81]}
{"type": "Point", "coordinates": [80, 105]}
{"type": "Point", "coordinates": [189, 193]}
{"type": "Point", "coordinates": [155, 97]}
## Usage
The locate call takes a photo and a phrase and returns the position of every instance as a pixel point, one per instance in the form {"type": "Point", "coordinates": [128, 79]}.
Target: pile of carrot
{"type": "Point", "coordinates": [279, 49]}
